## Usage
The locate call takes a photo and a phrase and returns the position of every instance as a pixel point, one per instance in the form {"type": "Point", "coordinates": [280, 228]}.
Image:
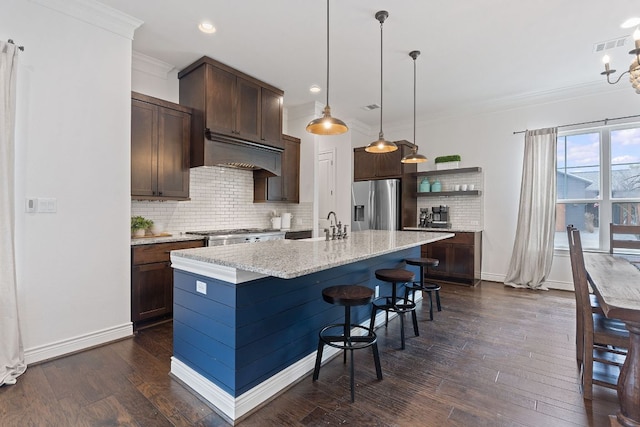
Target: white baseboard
{"type": "Point", "coordinates": [551, 284]}
{"type": "Point", "coordinates": [81, 342]}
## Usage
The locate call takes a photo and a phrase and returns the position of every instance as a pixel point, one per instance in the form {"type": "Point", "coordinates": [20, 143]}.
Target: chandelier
{"type": "Point", "coordinates": [634, 68]}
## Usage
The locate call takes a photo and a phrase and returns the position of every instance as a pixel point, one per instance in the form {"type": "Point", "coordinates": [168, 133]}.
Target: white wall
{"type": "Point", "coordinates": [72, 139]}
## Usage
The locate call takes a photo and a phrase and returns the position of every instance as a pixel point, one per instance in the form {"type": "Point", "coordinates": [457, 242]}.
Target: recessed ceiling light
{"type": "Point", "coordinates": [631, 22]}
{"type": "Point", "coordinates": [207, 27]}
{"type": "Point", "coordinates": [315, 89]}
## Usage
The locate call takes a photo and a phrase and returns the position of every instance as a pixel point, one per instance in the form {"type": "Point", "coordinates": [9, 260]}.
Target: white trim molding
{"type": "Point", "coordinates": [95, 13]}
{"type": "Point", "coordinates": [149, 65]}
{"type": "Point", "coordinates": [81, 342]}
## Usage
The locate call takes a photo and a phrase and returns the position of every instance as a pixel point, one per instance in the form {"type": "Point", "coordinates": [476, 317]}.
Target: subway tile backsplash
{"type": "Point", "coordinates": [221, 198]}
{"type": "Point", "coordinates": [465, 212]}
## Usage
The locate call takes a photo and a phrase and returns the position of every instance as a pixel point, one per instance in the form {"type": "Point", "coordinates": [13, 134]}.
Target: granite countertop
{"type": "Point", "coordinates": [172, 237]}
{"type": "Point", "coordinates": [449, 230]}
{"type": "Point", "coordinates": [294, 258]}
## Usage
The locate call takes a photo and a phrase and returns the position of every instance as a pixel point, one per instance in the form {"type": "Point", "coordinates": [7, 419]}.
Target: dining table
{"type": "Point", "coordinates": [616, 282]}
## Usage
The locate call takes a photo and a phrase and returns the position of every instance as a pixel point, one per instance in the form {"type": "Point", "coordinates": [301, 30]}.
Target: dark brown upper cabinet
{"type": "Point", "coordinates": [231, 103]}
{"type": "Point", "coordinates": [284, 188]}
{"type": "Point", "coordinates": [160, 135]}
{"type": "Point", "coordinates": [370, 166]}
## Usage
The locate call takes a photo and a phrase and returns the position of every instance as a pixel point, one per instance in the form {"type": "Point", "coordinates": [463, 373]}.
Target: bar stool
{"type": "Point", "coordinates": [428, 287]}
{"type": "Point", "coordinates": [393, 303]}
{"type": "Point", "coordinates": [339, 335]}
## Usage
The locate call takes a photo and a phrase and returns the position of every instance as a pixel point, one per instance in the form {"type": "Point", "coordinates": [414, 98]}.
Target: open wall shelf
{"type": "Point", "coordinates": [449, 193]}
{"type": "Point", "coordinates": [449, 171]}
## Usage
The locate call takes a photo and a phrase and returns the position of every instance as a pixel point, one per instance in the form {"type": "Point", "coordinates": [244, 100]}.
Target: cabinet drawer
{"type": "Point", "coordinates": [460, 239]}
{"type": "Point", "coordinates": [159, 252]}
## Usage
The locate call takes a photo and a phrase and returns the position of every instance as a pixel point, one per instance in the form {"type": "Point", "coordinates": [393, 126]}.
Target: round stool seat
{"type": "Point", "coordinates": [427, 262]}
{"type": "Point", "coordinates": [348, 295]}
{"type": "Point", "coordinates": [394, 275]}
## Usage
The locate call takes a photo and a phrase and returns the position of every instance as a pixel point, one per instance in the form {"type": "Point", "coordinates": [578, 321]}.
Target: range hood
{"type": "Point", "coordinates": [222, 150]}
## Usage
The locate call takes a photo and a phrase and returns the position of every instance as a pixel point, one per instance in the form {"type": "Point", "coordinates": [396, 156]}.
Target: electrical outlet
{"type": "Point", "coordinates": [201, 287]}
{"type": "Point", "coordinates": [377, 291]}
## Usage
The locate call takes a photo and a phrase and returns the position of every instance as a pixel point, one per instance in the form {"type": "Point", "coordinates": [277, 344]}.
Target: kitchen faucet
{"type": "Point", "coordinates": [341, 234]}
{"type": "Point", "coordinates": [335, 218]}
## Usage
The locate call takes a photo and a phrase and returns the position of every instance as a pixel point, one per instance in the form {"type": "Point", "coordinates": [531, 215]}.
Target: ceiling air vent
{"type": "Point", "coordinates": [371, 107]}
{"type": "Point", "coordinates": [609, 44]}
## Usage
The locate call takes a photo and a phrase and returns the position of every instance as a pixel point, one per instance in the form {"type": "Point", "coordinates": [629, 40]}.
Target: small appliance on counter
{"type": "Point", "coordinates": [286, 221]}
{"type": "Point", "coordinates": [424, 217]}
{"type": "Point", "coordinates": [439, 217]}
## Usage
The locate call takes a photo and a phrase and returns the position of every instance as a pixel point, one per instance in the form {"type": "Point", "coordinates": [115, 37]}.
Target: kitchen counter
{"type": "Point", "coordinates": [174, 237]}
{"type": "Point", "coordinates": [446, 230]}
{"type": "Point", "coordinates": [288, 259]}
{"type": "Point", "coordinates": [246, 317]}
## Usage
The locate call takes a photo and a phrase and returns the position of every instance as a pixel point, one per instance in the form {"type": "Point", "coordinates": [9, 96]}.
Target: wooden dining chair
{"type": "Point", "coordinates": [595, 308]}
{"type": "Point", "coordinates": [602, 340]}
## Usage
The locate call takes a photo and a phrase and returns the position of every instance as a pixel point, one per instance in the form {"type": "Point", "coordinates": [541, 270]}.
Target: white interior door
{"type": "Point", "coordinates": [327, 181]}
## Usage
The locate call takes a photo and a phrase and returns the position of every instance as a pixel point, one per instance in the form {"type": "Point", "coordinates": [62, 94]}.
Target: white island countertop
{"type": "Point", "coordinates": [288, 259]}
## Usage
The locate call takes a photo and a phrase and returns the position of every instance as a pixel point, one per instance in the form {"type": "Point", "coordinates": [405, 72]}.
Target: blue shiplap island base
{"type": "Point", "coordinates": [239, 339]}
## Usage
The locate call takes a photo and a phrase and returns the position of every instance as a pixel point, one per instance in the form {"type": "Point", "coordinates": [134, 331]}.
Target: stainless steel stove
{"type": "Point", "coordinates": [239, 235]}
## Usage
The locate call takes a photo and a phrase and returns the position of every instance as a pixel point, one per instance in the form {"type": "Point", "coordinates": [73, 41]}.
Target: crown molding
{"type": "Point", "coordinates": [95, 13]}
{"type": "Point", "coordinates": [149, 65]}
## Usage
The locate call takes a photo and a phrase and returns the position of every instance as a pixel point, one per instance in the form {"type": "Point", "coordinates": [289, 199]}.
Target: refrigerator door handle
{"type": "Point", "coordinates": [372, 207]}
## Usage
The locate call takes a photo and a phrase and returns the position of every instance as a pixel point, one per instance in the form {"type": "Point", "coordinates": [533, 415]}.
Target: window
{"type": "Point", "coordinates": [598, 182]}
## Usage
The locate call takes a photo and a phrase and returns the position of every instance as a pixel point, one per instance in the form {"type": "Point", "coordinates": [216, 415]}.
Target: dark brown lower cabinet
{"type": "Point", "coordinates": [296, 235]}
{"type": "Point", "coordinates": [152, 280]}
{"type": "Point", "coordinates": [460, 258]}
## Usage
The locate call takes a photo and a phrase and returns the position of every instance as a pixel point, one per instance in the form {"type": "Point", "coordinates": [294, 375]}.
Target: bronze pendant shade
{"type": "Point", "coordinates": [327, 125]}
{"type": "Point", "coordinates": [414, 157]}
{"type": "Point", "coordinates": [381, 145]}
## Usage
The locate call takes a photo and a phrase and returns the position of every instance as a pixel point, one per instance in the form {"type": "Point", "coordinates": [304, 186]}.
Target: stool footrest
{"type": "Point", "coordinates": [399, 306]}
{"type": "Point", "coordinates": [352, 342]}
{"type": "Point", "coordinates": [426, 287]}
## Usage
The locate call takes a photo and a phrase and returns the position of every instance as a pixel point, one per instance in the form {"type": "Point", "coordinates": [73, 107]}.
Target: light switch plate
{"type": "Point", "coordinates": [47, 205]}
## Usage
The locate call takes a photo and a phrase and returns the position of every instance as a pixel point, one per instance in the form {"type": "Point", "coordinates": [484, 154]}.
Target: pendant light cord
{"type": "Point", "coordinates": [327, 52]}
{"type": "Point", "coordinates": [381, 134]}
{"type": "Point", "coordinates": [414, 105]}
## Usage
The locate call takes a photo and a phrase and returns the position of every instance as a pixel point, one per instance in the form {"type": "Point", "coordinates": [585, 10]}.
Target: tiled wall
{"type": "Point", "coordinates": [221, 198]}
{"type": "Point", "coordinates": [464, 211]}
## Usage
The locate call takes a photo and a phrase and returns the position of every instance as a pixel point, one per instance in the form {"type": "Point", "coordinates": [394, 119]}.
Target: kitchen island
{"type": "Point", "coordinates": [247, 316]}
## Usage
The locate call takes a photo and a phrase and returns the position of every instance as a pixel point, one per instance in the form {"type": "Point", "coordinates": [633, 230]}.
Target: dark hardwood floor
{"type": "Point", "coordinates": [494, 356]}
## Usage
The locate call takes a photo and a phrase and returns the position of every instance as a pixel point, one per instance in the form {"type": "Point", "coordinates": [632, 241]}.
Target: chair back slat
{"type": "Point", "coordinates": [580, 278]}
{"type": "Point", "coordinates": [625, 230]}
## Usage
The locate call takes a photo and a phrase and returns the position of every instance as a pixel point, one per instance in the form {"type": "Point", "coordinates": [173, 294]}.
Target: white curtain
{"type": "Point", "coordinates": [12, 362]}
{"type": "Point", "coordinates": [533, 247]}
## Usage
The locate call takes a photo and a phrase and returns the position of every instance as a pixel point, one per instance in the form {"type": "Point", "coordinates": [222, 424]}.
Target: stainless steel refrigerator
{"type": "Point", "coordinates": [375, 205]}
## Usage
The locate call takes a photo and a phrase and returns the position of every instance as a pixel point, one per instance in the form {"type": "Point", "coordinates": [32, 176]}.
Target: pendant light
{"type": "Point", "coordinates": [327, 125]}
{"type": "Point", "coordinates": [414, 157]}
{"type": "Point", "coordinates": [381, 145]}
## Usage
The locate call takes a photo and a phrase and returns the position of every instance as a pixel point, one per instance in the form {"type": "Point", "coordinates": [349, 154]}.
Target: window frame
{"type": "Point", "coordinates": [604, 199]}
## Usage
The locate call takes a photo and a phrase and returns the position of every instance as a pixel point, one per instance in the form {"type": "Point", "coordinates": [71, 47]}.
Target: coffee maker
{"type": "Point", "coordinates": [439, 217]}
{"type": "Point", "coordinates": [425, 217]}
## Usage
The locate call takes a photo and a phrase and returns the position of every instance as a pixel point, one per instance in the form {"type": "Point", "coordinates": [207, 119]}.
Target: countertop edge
{"type": "Point", "coordinates": [210, 264]}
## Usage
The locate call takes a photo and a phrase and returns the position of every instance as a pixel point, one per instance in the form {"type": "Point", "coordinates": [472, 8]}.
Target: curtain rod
{"type": "Point", "coordinates": [19, 47]}
{"type": "Point", "coordinates": [589, 122]}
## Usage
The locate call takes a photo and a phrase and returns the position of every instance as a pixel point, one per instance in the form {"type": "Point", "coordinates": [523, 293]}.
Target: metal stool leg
{"type": "Point", "coordinates": [316, 370]}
